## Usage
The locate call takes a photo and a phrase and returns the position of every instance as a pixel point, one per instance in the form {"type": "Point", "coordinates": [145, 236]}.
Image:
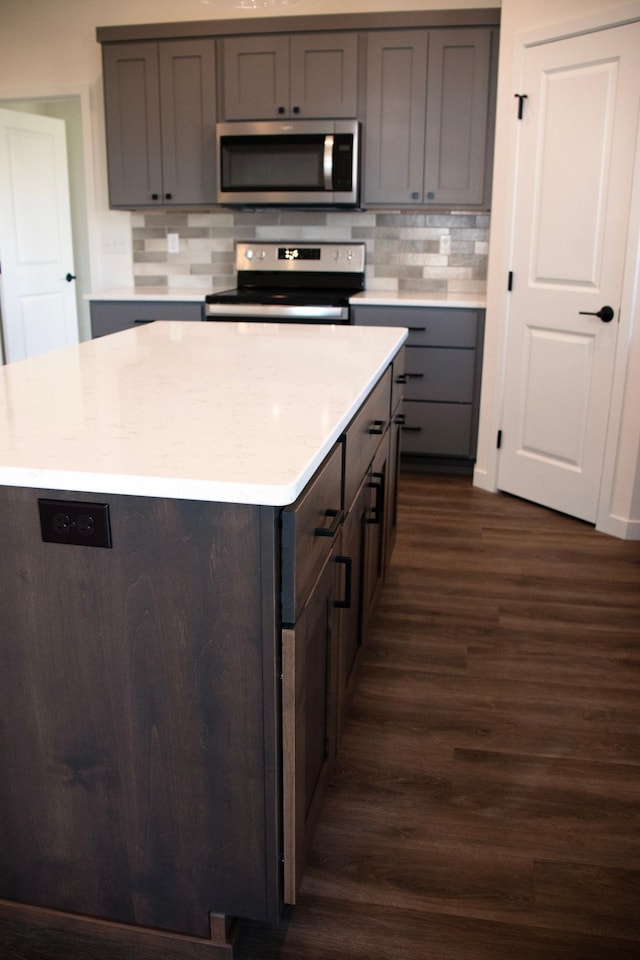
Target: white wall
{"type": "Point", "coordinates": [620, 503]}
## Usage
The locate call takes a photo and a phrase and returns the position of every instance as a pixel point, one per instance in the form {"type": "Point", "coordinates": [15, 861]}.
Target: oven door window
{"type": "Point", "coordinates": [283, 163]}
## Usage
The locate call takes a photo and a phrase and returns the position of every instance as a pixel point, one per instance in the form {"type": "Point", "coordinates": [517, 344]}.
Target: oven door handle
{"type": "Point", "coordinates": [272, 311]}
{"type": "Point", "coordinates": [327, 162]}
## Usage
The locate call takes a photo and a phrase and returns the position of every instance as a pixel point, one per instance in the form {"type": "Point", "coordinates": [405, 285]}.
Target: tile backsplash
{"type": "Point", "coordinates": [403, 248]}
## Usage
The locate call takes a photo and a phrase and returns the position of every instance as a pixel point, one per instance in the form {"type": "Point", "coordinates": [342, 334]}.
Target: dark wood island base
{"type": "Point", "coordinates": [172, 705]}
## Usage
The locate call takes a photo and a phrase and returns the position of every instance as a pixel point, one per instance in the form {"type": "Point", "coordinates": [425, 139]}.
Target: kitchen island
{"type": "Point", "coordinates": [196, 522]}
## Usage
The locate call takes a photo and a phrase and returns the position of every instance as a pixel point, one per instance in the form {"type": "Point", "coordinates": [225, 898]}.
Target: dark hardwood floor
{"type": "Point", "coordinates": [486, 803]}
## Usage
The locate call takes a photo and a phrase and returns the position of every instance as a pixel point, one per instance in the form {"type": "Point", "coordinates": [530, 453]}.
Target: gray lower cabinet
{"type": "Point", "coordinates": [110, 316]}
{"type": "Point", "coordinates": [443, 365]}
{"type": "Point", "coordinates": [302, 75]}
{"type": "Point", "coordinates": [160, 111]}
{"type": "Point", "coordinates": [430, 96]}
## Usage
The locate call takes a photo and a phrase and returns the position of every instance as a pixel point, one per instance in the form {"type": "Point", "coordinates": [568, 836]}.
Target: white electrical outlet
{"type": "Point", "coordinates": [173, 242]}
{"type": "Point", "coordinates": [445, 243]}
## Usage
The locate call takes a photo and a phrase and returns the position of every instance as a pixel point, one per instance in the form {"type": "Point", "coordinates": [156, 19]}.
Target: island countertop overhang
{"type": "Point", "coordinates": [224, 412]}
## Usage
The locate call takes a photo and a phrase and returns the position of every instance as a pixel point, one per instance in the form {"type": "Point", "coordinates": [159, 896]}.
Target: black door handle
{"type": "Point", "coordinates": [605, 314]}
{"type": "Point", "coordinates": [69, 277]}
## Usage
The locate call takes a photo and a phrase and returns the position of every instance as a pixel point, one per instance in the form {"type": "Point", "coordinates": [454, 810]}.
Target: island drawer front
{"type": "Point", "coordinates": [309, 530]}
{"type": "Point", "coordinates": [364, 435]}
{"type": "Point", "coordinates": [437, 429]}
{"type": "Point", "coordinates": [398, 378]}
{"type": "Point", "coordinates": [428, 326]}
{"type": "Point", "coordinates": [440, 374]}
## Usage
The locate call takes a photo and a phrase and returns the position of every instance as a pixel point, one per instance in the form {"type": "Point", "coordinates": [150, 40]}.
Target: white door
{"type": "Point", "coordinates": [37, 302]}
{"type": "Point", "coordinates": [573, 189]}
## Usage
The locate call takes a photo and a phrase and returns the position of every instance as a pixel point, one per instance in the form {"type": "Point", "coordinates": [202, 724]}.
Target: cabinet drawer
{"type": "Point", "coordinates": [428, 326]}
{"type": "Point", "coordinates": [309, 529]}
{"type": "Point", "coordinates": [437, 429]}
{"type": "Point", "coordinates": [434, 373]}
{"type": "Point", "coordinates": [364, 434]}
{"type": "Point", "coordinates": [113, 315]}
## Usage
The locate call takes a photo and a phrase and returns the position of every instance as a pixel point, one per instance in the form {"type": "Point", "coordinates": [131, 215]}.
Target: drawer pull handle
{"type": "Point", "coordinates": [144, 321]}
{"type": "Point", "coordinates": [377, 484]}
{"type": "Point", "coordinates": [348, 564]}
{"type": "Point", "coordinates": [415, 376]}
{"type": "Point", "coordinates": [411, 429]}
{"type": "Point", "coordinates": [377, 428]}
{"type": "Point", "coordinates": [402, 377]}
{"type": "Point", "coordinates": [417, 329]}
{"type": "Point", "coordinates": [400, 420]}
{"type": "Point", "coordinates": [334, 526]}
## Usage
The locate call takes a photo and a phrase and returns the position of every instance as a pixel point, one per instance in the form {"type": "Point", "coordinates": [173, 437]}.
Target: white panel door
{"type": "Point", "coordinates": [38, 303]}
{"type": "Point", "coordinates": [575, 160]}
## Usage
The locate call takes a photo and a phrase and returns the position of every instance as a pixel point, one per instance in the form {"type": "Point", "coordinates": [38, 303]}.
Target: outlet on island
{"type": "Point", "coordinates": [70, 521]}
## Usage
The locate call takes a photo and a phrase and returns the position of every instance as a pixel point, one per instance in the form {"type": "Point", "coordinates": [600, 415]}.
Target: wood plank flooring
{"type": "Point", "coordinates": [486, 804]}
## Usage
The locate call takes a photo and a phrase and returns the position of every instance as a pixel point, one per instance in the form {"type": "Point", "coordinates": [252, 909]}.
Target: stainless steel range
{"type": "Point", "coordinates": [291, 282]}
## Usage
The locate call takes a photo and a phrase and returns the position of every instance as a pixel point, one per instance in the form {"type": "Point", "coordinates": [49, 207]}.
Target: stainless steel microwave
{"type": "Point", "coordinates": [288, 163]}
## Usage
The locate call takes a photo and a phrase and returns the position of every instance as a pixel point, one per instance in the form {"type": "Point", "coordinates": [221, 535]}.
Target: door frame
{"type": "Point", "coordinates": [621, 470]}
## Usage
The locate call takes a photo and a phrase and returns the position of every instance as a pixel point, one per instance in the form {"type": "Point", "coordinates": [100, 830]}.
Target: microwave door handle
{"type": "Point", "coordinates": [327, 162]}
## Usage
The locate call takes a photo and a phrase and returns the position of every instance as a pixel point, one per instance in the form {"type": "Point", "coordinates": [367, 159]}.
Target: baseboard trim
{"type": "Point", "coordinates": [73, 932]}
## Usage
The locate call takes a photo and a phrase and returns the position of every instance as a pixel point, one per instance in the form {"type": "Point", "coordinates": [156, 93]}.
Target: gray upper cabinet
{"type": "Point", "coordinates": [429, 95]}
{"type": "Point", "coordinates": [302, 75]}
{"type": "Point", "coordinates": [395, 116]}
{"type": "Point", "coordinates": [160, 109]}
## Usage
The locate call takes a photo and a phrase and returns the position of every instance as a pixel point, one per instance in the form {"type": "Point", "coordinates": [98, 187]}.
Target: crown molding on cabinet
{"type": "Point", "coordinates": [486, 16]}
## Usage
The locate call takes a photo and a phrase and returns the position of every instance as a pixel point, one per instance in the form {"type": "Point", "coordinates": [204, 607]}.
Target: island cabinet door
{"type": "Point", "coordinates": [309, 670]}
{"type": "Point", "coordinates": [311, 574]}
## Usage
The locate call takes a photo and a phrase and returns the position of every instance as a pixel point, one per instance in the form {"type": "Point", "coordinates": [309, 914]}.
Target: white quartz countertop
{"type": "Point", "coordinates": [395, 298]}
{"type": "Point", "coordinates": [233, 412]}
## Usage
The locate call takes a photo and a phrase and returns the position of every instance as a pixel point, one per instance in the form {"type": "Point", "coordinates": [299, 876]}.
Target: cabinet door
{"type": "Point", "coordinates": [188, 114]}
{"type": "Point", "coordinates": [256, 77]}
{"type": "Point", "coordinates": [395, 431]}
{"type": "Point", "coordinates": [132, 115]}
{"type": "Point", "coordinates": [308, 721]}
{"type": "Point", "coordinates": [395, 116]}
{"type": "Point", "coordinates": [374, 555]}
{"type": "Point", "coordinates": [324, 73]}
{"type": "Point", "coordinates": [351, 612]}
{"type": "Point", "coordinates": [160, 122]}
{"type": "Point", "coordinates": [457, 116]}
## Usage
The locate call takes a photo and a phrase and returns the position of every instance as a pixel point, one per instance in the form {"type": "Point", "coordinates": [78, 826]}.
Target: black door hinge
{"type": "Point", "coordinates": [510, 281]}
{"type": "Point", "coordinates": [521, 97]}
{"type": "Point", "coordinates": [499, 442]}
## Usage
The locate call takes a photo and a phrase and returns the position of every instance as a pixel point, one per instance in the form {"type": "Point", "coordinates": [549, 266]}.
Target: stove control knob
{"type": "Point", "coordinates": [249, 254]}
{"type": "Point", "coordinates": [262, 254]}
